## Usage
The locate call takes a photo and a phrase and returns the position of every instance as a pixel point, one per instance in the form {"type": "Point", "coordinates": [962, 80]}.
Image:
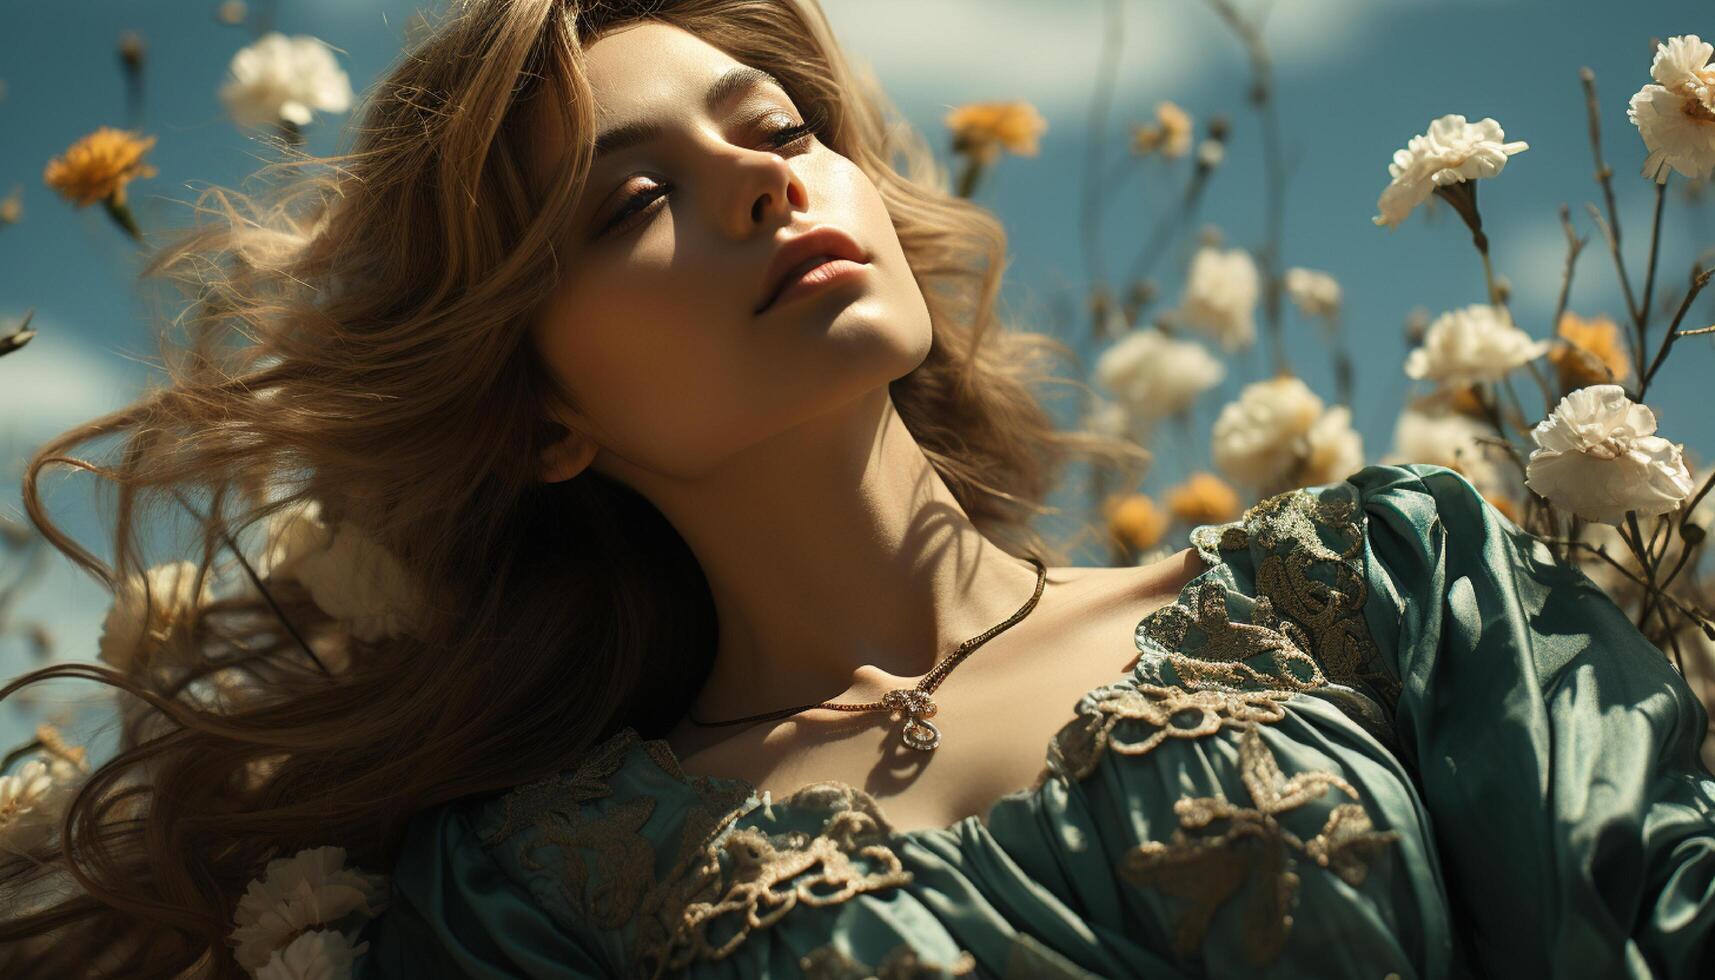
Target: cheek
{"type": "Point", "coordinates": [661, 377]}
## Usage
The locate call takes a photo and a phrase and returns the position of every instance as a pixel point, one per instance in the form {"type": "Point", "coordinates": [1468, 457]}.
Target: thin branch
{"type": "Point", "coordinates": [1673, 333]}
{"type": "Point", "coordinates": [1604, 176]}
{"type": "Point", "coordinates": [1090, 212]}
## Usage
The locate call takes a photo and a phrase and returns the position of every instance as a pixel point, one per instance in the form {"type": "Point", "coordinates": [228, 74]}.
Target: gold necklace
{"type": "Point", "coordinates": [919, 707]}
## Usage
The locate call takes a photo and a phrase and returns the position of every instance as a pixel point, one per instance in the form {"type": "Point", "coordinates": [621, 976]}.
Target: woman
{"type": "Point", "coordinates": [659, 505]}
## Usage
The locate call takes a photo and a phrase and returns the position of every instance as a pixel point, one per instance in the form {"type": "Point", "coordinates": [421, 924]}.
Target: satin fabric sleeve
{"type": "Point", "coordinates": [1555, 747]}
{"type": "Point", "coordinates": [454, 912]}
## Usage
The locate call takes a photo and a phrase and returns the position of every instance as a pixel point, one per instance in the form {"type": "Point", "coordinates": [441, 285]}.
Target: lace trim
{"type": "Point", "coordinates": [748, 878]}
{"type": "Point", "coordinates": [901, 963]}
{"type": "Point", "coordinates": [1206, 870]}
{"type": "Point", "coordinates": [1079, 746]}
{"type": "Point", "coordinates": [1307, 630]}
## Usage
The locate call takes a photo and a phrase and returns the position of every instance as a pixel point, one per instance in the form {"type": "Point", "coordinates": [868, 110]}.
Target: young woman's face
{"type": "Point", "coordinates": [654, 327]}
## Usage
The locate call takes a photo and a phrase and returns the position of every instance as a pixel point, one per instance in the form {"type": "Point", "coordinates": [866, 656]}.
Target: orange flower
{"type": "Point", "coordinates": [1136, 522]}
{"type": "Point", "coordinates": [983, 129]}
{"type": "Point", "coordinates": [98, 166]}
{"type": "Point", "coordinates": [1592, 354]}
{"type": "Point", "coordinates": [1203, 499]}
{"type": "Point", "coordinates": [12, 208]}
{"type": "Point", "coordinates": [1171, 132]}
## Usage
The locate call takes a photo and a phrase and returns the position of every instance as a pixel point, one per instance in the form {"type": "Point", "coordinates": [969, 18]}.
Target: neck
{"type": "Point", "coordinates": [840, 564]}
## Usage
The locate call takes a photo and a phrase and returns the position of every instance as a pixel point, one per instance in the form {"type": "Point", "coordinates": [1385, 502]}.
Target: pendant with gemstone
{"type": "Point", "coordinates": [919, 732]}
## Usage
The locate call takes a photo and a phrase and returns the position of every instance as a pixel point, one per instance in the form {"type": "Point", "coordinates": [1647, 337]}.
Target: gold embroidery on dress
{"type": "Point", "coordinates": [901, 963]}
{"type": "Point", "coordinates": [1316, 594]}
{"type": "Point", "coordinates": [1079, 746]}
{"type": "Point", "coordinates": [1206, 870]}
{"type": "Point", "coordinates": [735, 880]}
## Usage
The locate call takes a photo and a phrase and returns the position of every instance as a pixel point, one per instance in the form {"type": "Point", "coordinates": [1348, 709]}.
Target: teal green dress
{"type": "Point", "coordinates": [1385, 734]}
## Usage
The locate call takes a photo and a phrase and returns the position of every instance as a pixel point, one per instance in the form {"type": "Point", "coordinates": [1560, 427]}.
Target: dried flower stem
{"type": "Point", "coordinates": [1649, 273]}
{"type": "Point", "coordinates": [1698, 616]}
{"type": "Point", "coordinates": [1168, 224]}
{"type": "Point", "coordinates": [1274, 172]}
{"type": "Point", "coordinates": [1604, 177]}
{"type": "Point", "coordinates": [1646, 561]}
{"type": "Point", "coordinates": [1673, 332]}
{"type": "Point", "coordinates": [1090, 211]}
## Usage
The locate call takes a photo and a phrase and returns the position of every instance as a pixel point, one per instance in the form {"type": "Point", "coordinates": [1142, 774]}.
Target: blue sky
{"type": "Point", "coordinates": [1355, 79]}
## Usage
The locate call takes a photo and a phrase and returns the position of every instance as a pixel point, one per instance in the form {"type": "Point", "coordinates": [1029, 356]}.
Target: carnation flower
{"type": "Point", "coordinates": [98, 166]}
{"type": "Point", "coordinates": [320, 954]}
{"type": "Point", "coordinates": [1220, 296]}
{"type": "Point", "coordinates": [1445, 438]}
{"type": "Point", "coordinates": [1452, 151]}
{"type": "Point", "coordinates": [1592, 353]}
{"type": "Point", "coordinates": [292, 533]}
{"type": "Point", "coordinates": [1155, 376]}
{"type": "Point", "coordinates": [1203, 498]}
{"type": "Point", "coordinates": [309, 888]}
{"type": "Point", "coordinates": [358, 582]}
{"type": "Point", "coordinates": [1475, 343]}
{"type": "Point", "coordinates": [1277, 431]}
{"type": "Point", "coordinates": [1110, 419]}
{"type": "Point", "coordinates": [23, 799]}
{"type": "Point", "coordinates": [1333, 449]}
{"type": "Point", "coordinates": [982, 130]}
{"type": "Point", "coordinates": [280, 79]}
{"type": "Point", "coordinates": [1314, 293]}
{"type": "Point", "coordinates": [1676, 116]}
{"type": "Point", "coordinates": [146, 611]}
{"type": "Point", "coordinates": [1597, 456]}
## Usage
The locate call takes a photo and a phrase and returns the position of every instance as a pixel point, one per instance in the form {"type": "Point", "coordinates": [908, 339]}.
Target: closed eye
{"type": "Point", "coordinates": [788, 137]}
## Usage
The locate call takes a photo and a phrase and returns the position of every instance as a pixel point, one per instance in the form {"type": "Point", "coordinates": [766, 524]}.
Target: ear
{"type": "Point", "coordinates": [566, 455]}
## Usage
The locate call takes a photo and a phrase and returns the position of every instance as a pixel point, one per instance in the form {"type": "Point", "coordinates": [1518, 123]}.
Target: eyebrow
{"type": "Point", "coordinates": [734, 83]}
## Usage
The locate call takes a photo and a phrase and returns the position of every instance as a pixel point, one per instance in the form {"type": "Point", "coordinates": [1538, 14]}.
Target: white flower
{"type": "Point", "coordinates": [1598, 458]}
{"type": "Point", "coordinates": [1448, 439]}
{"type": "Point", "coordinates": [1472, 344]}
{"type": "Point", "coordinates": [1452, 151]}
{"type": "Point", "coordinates": [1155, 376]}
{"type": "Point", "coordinates": [317, 955]}
{"type": "Point", "coordinates": [292, 533]}
{"type": "Point", "coordinates": [147, 608]}
{"type": "Point", "coordinates": [307, 889]}
{"type": "Point", "coordinates": [1277, 430]}
{"type": "Point", "coordinates": [1676, 116]}
{"type": "Point", "coordinates": [1220, 296]}
{"type": "Point", "coordinates": [358, 582]}
{"type": "Point", "coordinates": [1314, 293]}
{"type": "Point", "coordinates": [284, 79]}
{"type": "Point", "coordinates": [1110, 419]}
{"type": "Point", "coordinates": [1333, 450]}
{"type": "Point", "coordinates": [23, 800]}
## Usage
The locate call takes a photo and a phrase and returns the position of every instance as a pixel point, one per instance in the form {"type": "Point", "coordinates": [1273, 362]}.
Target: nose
{"type": "Point", "coordinates": [767, 188]}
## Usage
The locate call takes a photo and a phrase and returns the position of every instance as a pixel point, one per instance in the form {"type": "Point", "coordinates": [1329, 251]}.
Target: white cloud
{"type": "Point", "coordinates": [946, 52]}
{"type": "Point", "coordinates": [57, 381]}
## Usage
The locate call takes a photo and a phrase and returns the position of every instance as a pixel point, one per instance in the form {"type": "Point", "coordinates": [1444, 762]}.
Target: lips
{"type": "Point", "coordinates": [804, 252]}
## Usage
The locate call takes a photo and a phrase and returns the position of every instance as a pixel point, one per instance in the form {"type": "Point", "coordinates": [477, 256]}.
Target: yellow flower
{"type": "Point", "coordinates": [98, 166]}
{"type": "Point", "coordinates": [1136, 522]}
{"type": "Point", "coordinates": [1592, 354]}
{"type": "Point", "coordinates": [983, 129]}
{"type": "Point", "coordinates": [1171, 132]}
{"type": "Point", "coordinates": [12, 208]}
{"type": "Point", "coordinates": [1204, 498]}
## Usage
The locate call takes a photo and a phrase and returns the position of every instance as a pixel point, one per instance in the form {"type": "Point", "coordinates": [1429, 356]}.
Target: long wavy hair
{"type": "Point", "coordinates": [355, 336]}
